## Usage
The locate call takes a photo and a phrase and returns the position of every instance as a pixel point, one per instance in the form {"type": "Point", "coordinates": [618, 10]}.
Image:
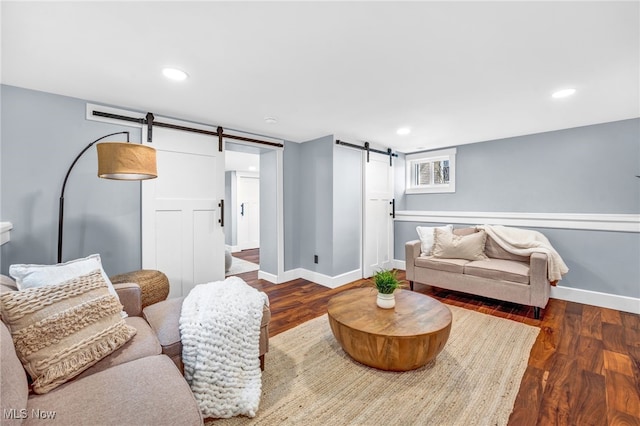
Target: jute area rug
{"type": "Point", "coordinates": [309, 380]}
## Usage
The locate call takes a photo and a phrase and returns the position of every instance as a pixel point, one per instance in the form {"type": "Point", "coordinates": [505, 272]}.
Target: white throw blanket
{"type": "Point", "coordinates": [523, 242]}
{"type": "Point", "coordinates": [220, 333]}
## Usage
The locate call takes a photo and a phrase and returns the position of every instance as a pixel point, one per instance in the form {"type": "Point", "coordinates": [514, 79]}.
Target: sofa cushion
{"type": "Point", "coordinates": [147, 391]}
{"type": "Point", "coordinates": [499, 269]}
{"type": "Point", "coordinates": [143, 344]}
{"type": "Point", "coordinates": [61, 330]}
{"type": "Point", "coordinates": [425, 233]}
{"type": "Point", "coordinates": [451, 246]}
{"type": "Point", "coordinates": [494, 251]}
{"type": "Point", "coordinates": [447, 265]}
{"type": "Point", "coordinates": [164, 318]}
{"type": "Point", "coordinates": [13, 388]}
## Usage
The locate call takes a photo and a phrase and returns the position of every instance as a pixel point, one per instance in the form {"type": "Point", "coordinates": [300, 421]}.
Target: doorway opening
{"type": "Point", "coordinates": [242, 192]}
{"type": "Point", "coordinates": [253, 193]}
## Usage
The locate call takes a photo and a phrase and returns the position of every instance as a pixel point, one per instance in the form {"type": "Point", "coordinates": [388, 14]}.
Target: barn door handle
{"type": "Point", "coordinates": [393, 208]}
{"type": "Point", "coordinates": [242, 209]}
{"type": "Point", "coordinates": [221, 220]}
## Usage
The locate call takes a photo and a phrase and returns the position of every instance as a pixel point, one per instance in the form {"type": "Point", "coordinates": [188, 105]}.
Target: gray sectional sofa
{"type": "Point", "coordinates": [502, 276]}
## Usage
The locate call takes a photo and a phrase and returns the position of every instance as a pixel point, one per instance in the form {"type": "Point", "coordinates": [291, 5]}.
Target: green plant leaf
{"type": "Point", "coordinates": [386, 281]}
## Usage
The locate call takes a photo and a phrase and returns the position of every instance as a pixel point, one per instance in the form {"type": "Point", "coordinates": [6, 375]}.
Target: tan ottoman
{"type": "Point", "coordinates": [164, 318]}
{"type": "Point", "coordinates": [154, 285]}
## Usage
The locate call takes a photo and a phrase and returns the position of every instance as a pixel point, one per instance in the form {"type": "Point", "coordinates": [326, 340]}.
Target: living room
{"type": "Point", "coordinates": [565, 167]}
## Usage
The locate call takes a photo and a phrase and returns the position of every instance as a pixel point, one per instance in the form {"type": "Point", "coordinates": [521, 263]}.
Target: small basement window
{"type": "Point", "coordinates": [431, 172]}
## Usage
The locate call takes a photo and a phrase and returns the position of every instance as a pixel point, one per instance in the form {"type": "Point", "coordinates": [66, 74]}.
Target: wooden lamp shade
{"type": "Point", "coordinates": [126, 161]}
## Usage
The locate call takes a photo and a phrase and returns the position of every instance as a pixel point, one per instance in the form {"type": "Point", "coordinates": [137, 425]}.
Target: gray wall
{"type": "Point", "coordinates": [41, 135]}
{"type": "Point", "coordinates": [292, 187]}
{"type": "Point", "coordinates": [323, 199]}
{"type": "Point", "coordinates": [347, 209]}
{"type": "Point", "coordinates": [588, 169]}
{"type": "Point", "coordinates": [268, 212]}
{"type": "Point", "coordinates": [315, 201]}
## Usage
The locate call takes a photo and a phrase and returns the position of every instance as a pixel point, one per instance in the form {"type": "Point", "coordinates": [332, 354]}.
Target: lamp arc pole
{"type": "Point", "coordinates": [64, 184]}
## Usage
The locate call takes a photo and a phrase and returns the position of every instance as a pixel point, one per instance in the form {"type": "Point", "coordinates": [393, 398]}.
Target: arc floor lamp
{"type": "Point", "coordinates": [116, 160]}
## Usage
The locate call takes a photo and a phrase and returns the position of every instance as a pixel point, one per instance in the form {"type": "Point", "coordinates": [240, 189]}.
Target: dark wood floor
{"type": "Point", "coordinates": [584, 367]}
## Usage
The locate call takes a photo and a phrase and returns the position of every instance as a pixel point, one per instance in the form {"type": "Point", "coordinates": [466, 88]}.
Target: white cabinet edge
{"type": "Point", "coordinates": [5, 232]}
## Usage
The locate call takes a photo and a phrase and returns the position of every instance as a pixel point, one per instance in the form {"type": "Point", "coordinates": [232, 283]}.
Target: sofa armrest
{"type": "Point", "coordinates": [411, 251]}
{"type": "Point", "coordinates": [540, 286]}
{"type": "Point", "coordinates": [131, 298]}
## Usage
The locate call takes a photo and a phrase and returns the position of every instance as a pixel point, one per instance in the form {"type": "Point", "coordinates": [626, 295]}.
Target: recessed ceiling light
{"type": "Point", "coordinates": [270, 120]}
{"type": "Point", "coordinates": [563, 93]}
{"type": "Point", "coordinates": [403, 131]}
{"type": "Point", "coordinates": [174, 74]}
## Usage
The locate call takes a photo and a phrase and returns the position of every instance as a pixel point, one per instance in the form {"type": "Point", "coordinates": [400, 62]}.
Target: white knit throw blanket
{"type": "Point", "coordinates": [220, 333]}
{"type": "Point", "coordinates": [523, 242]}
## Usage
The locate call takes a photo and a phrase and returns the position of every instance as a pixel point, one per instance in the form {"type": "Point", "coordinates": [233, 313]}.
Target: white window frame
{"type": "Point", "coordinates": [422, 157]}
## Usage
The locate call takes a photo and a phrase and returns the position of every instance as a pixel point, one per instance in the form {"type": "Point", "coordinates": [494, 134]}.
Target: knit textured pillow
{"type": "Point", "coordinates": [61, 330]}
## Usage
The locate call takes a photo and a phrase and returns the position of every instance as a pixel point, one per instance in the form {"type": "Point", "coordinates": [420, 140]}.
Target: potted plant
{"type": "Point", "coordinates": [386, 282]}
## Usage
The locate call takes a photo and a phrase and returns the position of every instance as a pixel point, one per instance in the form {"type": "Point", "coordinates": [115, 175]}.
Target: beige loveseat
{"type": "Point", "coordinates": [136, 384]}
{"type": "Point", "coordinates": [503, 276]}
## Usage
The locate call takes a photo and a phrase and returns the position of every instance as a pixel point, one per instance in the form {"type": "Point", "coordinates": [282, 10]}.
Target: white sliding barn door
{"type": "Point", "coordinates": [181, 232]}
{"type": "Point", "coordinates": [378, 222]}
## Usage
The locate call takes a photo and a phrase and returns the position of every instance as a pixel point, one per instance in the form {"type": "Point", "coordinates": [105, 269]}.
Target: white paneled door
{"type": "Point", "coordinates": [378, 222]}
{"type": "Point", "coordinates": [182, 233]}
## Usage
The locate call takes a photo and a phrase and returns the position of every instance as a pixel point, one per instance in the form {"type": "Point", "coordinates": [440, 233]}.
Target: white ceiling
{"type": "Point", "coordinates": [454, 72]}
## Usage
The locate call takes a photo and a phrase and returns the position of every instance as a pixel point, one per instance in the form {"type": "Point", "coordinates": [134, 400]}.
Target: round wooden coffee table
{"type": "Point", "coordinates": [399, 339]}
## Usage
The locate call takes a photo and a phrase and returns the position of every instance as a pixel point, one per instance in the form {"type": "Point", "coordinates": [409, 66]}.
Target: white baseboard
{"type": "Point", "coordinates": [400, 264]}
{"type": "Point", "coordinates": [290, 275]}
{"type": "Point", "coordinates": [595, 298]}
{"type": "Point", "coordinates": [331, 282]}
{"type": "Point", "coordinates": [268, 277]}
{"type": "Point", "coordinates": [316, 277]}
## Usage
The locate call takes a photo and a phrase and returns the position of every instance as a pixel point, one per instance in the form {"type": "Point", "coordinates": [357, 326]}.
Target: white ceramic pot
{"type": "Point", "coordinates": [386, 301]}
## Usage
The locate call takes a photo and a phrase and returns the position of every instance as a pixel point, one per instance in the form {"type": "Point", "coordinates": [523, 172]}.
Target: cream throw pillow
{"type": "Point", "coordinates": [31, 275]}
{"type": "Point", "coordinates": [426, 237]}
{"type": "Point", "coordinates": [450, 246]}
{"type": "Point", "coordinates": [61, 330]}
